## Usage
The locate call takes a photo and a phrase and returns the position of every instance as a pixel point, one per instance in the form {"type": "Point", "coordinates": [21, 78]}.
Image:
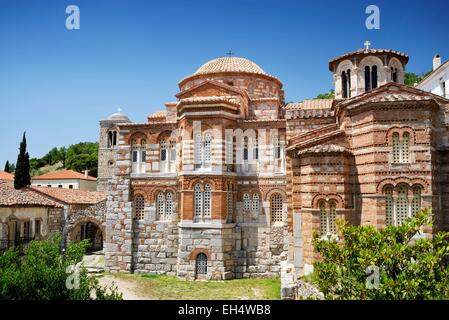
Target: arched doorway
{"type": "Point", "coordinates": [89, 231]}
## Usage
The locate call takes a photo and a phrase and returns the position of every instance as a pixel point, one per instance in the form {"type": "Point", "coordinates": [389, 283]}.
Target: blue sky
{"type": "Point", "coordinates": [57, 84]}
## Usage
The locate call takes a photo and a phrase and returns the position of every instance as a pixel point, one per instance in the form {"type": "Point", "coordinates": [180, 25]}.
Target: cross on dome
{"type": "Point", "coordinates": [230, 53]}
{"type": "Point", "coordinates": [367, 44]}
{"type": "Point", "coordinates": [119, 110]}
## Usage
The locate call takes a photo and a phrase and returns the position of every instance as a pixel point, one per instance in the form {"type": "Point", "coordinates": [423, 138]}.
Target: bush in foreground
{"type": "Point", "coordinates": [41, 274]}
{"type": "Point", "coordinates": [391, 263]}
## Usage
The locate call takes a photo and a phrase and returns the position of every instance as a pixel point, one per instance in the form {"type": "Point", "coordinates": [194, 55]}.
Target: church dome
{"type": "Point", "coordinates": [230, 64]}
{"type": "Point", "coordinates": [119, 116]}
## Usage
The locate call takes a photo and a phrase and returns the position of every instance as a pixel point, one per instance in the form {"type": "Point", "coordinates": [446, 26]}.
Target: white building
{"type": "Point", "coordinates": [437, 82]}
{"type": "Point", "coordinates": [67, 179]}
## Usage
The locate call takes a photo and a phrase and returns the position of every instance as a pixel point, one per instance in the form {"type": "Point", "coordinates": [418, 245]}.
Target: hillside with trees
{"type": "Point", "coordinates": [79, 157]}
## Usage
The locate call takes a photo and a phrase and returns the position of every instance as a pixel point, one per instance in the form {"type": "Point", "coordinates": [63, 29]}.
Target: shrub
{"type": "Point", "coordinates": [40, 274]}
{"type": "Point", "coordinates": [408, 267]}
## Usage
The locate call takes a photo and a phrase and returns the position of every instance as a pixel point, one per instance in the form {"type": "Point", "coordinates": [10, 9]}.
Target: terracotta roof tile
{"type": "Point", "coordinates": [6, 176]}
{"type": "Point", "coordinates": [72, 196]}
{"type": "Point", "coordinates": [311, 104]}
{"type": "Point", "coordinates": [10, 197]}
{"type": "Point", "coordinates": [328, 148]}
{"type": "Point", "coordinates": [63, 175]}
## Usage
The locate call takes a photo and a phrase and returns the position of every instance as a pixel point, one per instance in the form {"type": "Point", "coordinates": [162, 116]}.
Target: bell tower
{"type": "Point", "coordinates": [366, 69]}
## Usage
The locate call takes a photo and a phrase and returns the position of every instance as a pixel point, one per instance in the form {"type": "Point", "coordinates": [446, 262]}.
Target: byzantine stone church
{"type": "Point", "coordinates": [229, 181]}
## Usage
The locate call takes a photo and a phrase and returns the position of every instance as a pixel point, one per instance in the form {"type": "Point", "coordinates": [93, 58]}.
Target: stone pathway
{"type": "Point", "coordinates": [128, 288]}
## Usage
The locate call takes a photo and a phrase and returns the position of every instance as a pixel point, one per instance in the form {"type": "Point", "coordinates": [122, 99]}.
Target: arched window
{"type": "Point", "coordinates": [323, 218]}
{"type": "Point", "coordinates": [276, 208]}
{"type": "Point", "coordinates": [374, 77]}
{"type": "Point", "coordinates": [389, 206]}
{"type": "Point", "coordinates": [169, 204]}
{"type": "Point", "coordinates": [203, 202]}
{"type": "Point", "coordinates": [405, 148]}
{"type": "Point", "coordinates": [402, 206]}
{"type": "Point", "coordinates": [349, 82]}
{"type": "Point", "coordinates": [401, 148]}
{"type": "Point", "coordinates": [198, 149]}
{"type": "Point", "coordinates": [246, 202]}
{"type": "Point", "coordinates": [112, 139]}
{"type": "Point", "coordinates": [328, 218]}
{"type": "Point", "coordinates": [139, 207]}
{"type": "Point", "coordinates": [207, 200]}
{"type": "Point", "coordinates": [201, 264]}
{"type": "Point", "coordinates": [332, 217]}
{"type": "Point", "coordinates": [139, 156]}
{"type": "Point", "coordinates": [255, 203]}
{"type": "Point", "coordinates": [198, 201]}
{"type": "Point", "coordinates": [163, 150]}
{"type": "Point", "coordinates": [344, 85]}
{"type": "Point", "coordinates": [396, 148]}
{"type": "Point", "coordinates": [207, 148]}
{"type": "Point", "coordinates": [245, 149]}
{"type": "Point", "coordinates": [256, 149]}
{"type": "Point", "coordinates": [230, 202]}
{"type": "Point", "coordinates": [416, 202]}
{"type": "Point", "coordinates": [394, 74]}
{"type": "Point", "coordinates": [277, 148]}
{"type": "Point", "coordinates": [160, 205]}
{"type": "Point", "coordinates": [367, 79]}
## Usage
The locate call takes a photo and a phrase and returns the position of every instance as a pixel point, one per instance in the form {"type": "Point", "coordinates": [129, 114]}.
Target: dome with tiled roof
{"type": "Point", "coordinates": [230, 64]}
{"type": "Point", "coordinates": [119, 117]}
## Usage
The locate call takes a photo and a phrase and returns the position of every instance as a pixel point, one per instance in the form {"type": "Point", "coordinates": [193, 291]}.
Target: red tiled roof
{"type": "Point", "coordinates": [399, 55]}
{"type": "Point", "coordinates": [71, 196]}
{"type": "Point", "coordinates": [6, 176]}
{"type": "Point", "coordinates": [10, 197]}
{"type": "Point", "coordinates": [64, 175]}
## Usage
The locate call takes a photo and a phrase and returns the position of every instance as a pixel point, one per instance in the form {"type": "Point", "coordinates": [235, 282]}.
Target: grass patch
{"type": "Point", "coordinates": [170, 288]}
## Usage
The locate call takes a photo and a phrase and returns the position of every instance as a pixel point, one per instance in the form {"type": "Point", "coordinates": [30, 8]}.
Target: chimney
{"type": "Point", "coordinates": [86, 173]}
{"type": "Point", "coordinates": [436, 61]}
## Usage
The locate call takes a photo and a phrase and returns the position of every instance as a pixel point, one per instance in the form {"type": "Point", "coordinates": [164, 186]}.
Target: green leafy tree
{"type": "Point", "coordinates": [411, 78]}
{"type": "Point", "coordinates": [41, 274]}
{"type": "Point", "coordinates": [408, 268]}
{"type": "Point", "coordinates": [7, 167]}
{"type": "Point", "coordinates": [83, 156]}
{"type": "Point", "coordinates": [329, 95]}
{"type": "Point", "coordinates": [22, 176]}
{"type": "Point", "coordinates": [12, 168]}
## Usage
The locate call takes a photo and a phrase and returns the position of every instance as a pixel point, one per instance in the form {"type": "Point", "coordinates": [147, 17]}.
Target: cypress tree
{"type": "Point", "coordinates": [22, 176]}
{"type": "Point", "coordinates": [7, 167]}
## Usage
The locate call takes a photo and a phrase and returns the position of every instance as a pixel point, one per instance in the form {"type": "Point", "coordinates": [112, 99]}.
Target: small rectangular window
{"type": "Point", "coordinates": [144, 156]}
{"type": "Point", "coordinates": [173, 154]}
{"type": "Point", "coordinates": [134, 156]}
{"type": "Point", "coordinates": [60, 186]}
{"type": "Point", "coordinates": [70, 186]}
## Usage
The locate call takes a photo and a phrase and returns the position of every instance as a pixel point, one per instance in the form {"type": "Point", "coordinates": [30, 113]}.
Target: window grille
{"type": "Point", "coordinates": [169, 204]}
{"type": "Point", "coordinates": [207, 148]}
{"type": "Point", "coordinates": [402, 206]}
{"type": "Point", "coordinates": [416, 202]}
{"type": "Point", "coordinates": [198, 201]}
{"type": "Point", "coordinates": [255, 203]}
{"type": "Point", "coordinates": [389, 206]}
{"type": "Point", "coordinates": [246, 202]}
{"type": "Point", "coordinates": [201, 264]}
{"type": "Point", "coordinates": [207, 200]}
{"type": "Point", "coordinates": [198, 149]}
{"type": "Point", "coordinates": [160, 205]}
{"type": "Point", "coordinates": [332, 218]}
{"type": "Point", "coordinates": [139, 207]}
{"type": "Point", "coordinates": [276, 207]}
{"type": "Point", "coordinates": [396, 148]}
{"type": "Point", "coordinates": [405, 148]}
{"type": "Point", "coordinates": [323, 219]}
